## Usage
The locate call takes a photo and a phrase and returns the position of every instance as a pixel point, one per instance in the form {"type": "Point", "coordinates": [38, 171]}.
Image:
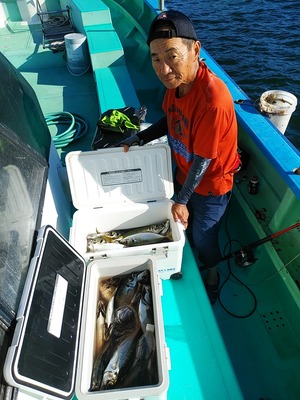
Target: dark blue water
{"type": "Point", "coordinates": [257, 42]}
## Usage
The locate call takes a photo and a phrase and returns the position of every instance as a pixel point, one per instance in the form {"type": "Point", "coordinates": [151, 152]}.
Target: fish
{"type": "Point", "coordinates": [102, 241]}
{"type": "Point", "coordinates": [107, 288]}
{"type": "Point", "coordinates": [120, 361]}
{"type": "Point", "coordinates": [162, 228]}
{"type": "Point", "coordinates": [143, 238]}
{"type": "Point", "coordinates": [115, 239]}
{"type": "Point", "coordinates": [165, 229]}
{"type": "Point", "coordinates": [125, 320]}
{"type": "Point", "coordinates": [99, 366]}
{"type": "Point", "coordinates": [109, 316]}
{"type": "Point", "coordinates": [110, 234]}
{"type": "Point", "coordinates": [142, 371]}
{"type": "Point", "coordinates": [94, 237]}
{"type": "Point", "coordinates": [145, 307]}
{"type": "Point", "coordinates": [103, 246]}
{"type": "Point", "coordinates": [146, 346]}
{"type": "Point", "coordinates": [93, 241]}
{"type": "Point", "coordinates": [100, 335]}
{"type": "Point", "coordinates": [123, 314]}
{"type": "Point", "coordinates": [129, 287]}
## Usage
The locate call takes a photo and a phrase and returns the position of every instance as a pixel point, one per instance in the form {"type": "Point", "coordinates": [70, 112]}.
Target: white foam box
{"type": "Point", "coordinates": [52, 351]}
{"type": "Point", "coordinates": [114, 190]}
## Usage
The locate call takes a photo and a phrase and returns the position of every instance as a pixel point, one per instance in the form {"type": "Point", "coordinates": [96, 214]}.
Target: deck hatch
{"type": "Point", "coordinates": [273, 320]}
{"type": "Point", "coordinates": [282, 336]}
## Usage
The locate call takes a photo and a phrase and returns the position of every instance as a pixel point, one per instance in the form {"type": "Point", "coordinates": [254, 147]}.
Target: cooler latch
{"type": "Point", "coordinates": [99, 256]}
{"type": "Point", "coordinates": [161, 252]}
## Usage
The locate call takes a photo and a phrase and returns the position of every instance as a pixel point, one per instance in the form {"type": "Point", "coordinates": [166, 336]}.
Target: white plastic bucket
{"type": "Point", "coordinates": [278, 105]}
{"type": "Point", "coordinates": [78, 61]}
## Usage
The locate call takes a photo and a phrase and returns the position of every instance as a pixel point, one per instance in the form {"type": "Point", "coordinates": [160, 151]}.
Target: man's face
{"type": "Point", "coordinates": [173, 61]}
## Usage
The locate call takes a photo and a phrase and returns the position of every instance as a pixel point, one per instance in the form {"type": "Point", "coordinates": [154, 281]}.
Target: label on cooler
{"type": "Point", "coordinates": [121, 177]}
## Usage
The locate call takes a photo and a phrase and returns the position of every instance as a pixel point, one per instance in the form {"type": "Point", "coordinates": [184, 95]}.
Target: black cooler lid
{"type": "Point", "coordinates": [44, 349]}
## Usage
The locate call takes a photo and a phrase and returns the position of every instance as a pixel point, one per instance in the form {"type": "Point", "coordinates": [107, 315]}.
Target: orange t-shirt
{"type": "Point", "coordinates": [203, 123]}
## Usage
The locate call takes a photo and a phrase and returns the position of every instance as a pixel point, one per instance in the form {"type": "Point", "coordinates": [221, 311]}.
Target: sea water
{"type": "Point", "coordinates": [257, 42]}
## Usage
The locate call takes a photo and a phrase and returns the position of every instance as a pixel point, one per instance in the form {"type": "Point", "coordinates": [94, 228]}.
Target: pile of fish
{"type": "Point", "coordinates": [150, 234]}
{"type": "Point", "coordinates": [125, 346]}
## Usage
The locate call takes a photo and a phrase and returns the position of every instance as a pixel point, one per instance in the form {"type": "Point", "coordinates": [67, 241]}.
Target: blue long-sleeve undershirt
{"type": "Point", "coordinates": [196, 172]}
{"type": "Point", "coordinates": [154, 131]}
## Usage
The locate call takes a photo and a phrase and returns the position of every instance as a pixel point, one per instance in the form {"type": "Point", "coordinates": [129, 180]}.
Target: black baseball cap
{"type": "Point", "coordinates": [182, 26]}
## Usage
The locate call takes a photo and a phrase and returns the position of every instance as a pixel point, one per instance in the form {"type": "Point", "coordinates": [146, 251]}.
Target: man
{"type": "Point", "coordinates": [202, 132]}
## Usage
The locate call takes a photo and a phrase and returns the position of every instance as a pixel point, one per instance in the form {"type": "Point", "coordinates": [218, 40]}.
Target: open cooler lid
{"type": "Point", "coordinates": [43, 353]}
{"type": "Point", "coordinates": [110, 176]}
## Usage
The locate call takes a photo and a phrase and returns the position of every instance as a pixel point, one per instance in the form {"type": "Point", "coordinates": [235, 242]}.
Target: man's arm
{"type": "Point", "coordinates": [155, 131]}
{"type": "Point", "coordinates": [196, 172]}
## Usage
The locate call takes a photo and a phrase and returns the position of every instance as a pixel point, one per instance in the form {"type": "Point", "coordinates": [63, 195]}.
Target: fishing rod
{"type": "Point", "coordinates": [245, 257]}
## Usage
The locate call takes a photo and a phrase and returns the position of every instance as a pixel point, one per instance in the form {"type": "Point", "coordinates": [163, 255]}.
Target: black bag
{"type": "Point", "coordinates": [115, 125]}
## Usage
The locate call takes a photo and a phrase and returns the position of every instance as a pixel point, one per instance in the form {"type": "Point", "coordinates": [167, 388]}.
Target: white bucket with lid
{"type": "Point", "coordinates": [78, 61]}
{"type": "Point", "coordinates": [278, 105]}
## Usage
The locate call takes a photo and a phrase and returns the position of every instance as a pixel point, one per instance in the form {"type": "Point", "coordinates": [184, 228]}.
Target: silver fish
{"type": "Point", "coordinates": [143, 370]}
{"type": "Point", "coordinates": [120, 362]}
{"type": "Point", "coordinates": [102, 245]}
{"type": "Point", "coordinates": [94, 237]}
{"type": "Point", "coordinates": [93, 240]}
{"type": "Point", "coordinates": [100, 363]}
{"type": "Point", "coordinates": [109, 234]}
{"type": "Point", "coordinates": [162, 228]}
{"type": "Point", "coordinates": [145, 308]}
{"type": "Point", "coordinates": [129, 287]}
{"type": "Point", "coordinates": [100, 329]}
{"type": "Point", "coordinates": [143, 238]}
{"type": "Point", "coordinates": [101, 241]}
{"type": "Point", "coordinates": [109, 315]}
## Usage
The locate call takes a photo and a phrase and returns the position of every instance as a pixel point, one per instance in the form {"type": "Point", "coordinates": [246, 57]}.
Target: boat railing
{"type": "Point", "coordinates": [161, 5]}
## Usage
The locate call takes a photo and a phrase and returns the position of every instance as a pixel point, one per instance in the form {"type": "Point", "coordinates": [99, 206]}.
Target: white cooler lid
{"type": "Point", "coordinates": [43, 353]}
{"type": "Point", "coordinates": [111, 176]}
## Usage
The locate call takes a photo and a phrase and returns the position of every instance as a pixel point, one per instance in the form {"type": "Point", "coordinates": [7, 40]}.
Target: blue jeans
{"type": "Point", "coordinates": [204, 221]}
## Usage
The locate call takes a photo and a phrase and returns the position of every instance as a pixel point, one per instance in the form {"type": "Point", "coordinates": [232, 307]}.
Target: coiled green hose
{"type": "Point", "coordinates": [77, 127]}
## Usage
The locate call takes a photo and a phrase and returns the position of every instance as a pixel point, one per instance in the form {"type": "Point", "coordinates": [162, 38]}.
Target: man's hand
{"type": "Point", "coordinates": [132, 140]}
{"type": "Point", "coordinates": [180, 213]}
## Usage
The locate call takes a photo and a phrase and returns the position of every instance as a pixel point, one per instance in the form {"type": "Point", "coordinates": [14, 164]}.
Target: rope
{"type": "Point", "coordinates": [57, 20]}
{"type": "Point", "coordinates": [76, 127]}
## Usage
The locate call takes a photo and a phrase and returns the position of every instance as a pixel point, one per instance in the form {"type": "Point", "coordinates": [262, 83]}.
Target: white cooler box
{"type": "Point", "coordinates": [52, 351]}
{"type": "Point", "coordinates": [114, 190]}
